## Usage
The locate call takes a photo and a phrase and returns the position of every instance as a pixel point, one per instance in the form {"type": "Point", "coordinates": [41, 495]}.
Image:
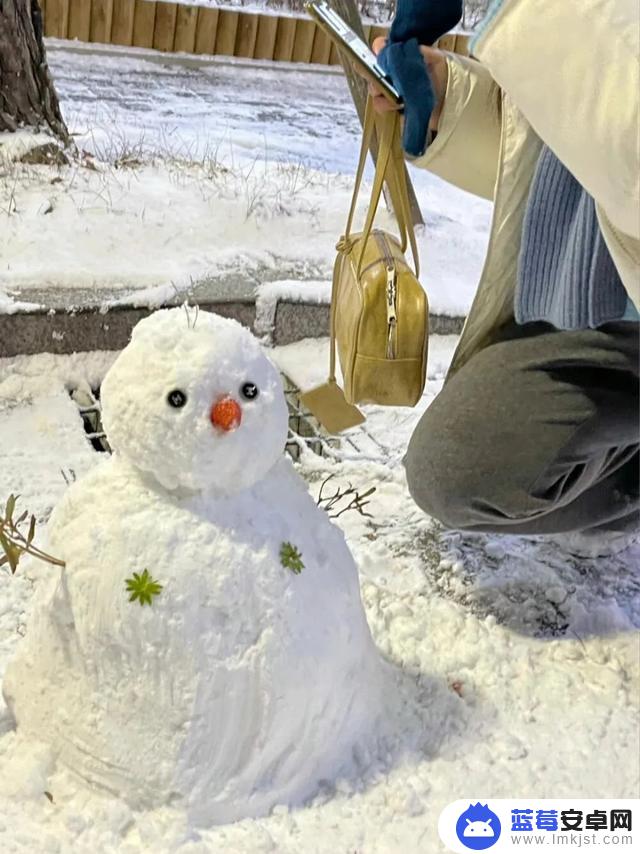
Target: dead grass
{"type": "Point", "coordinates": [115, 162]}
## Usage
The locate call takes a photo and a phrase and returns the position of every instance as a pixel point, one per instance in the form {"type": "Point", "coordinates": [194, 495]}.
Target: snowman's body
{"type": "Point", "coordinates": [243, 684]}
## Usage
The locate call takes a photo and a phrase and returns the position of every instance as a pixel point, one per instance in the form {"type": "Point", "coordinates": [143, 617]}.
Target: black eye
{"type": "Point", "coordinates": [176, 398]}
{"type": "Point", "coordinates": [249, 391]}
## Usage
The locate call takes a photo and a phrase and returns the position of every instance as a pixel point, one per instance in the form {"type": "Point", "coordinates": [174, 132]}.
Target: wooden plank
{"type": "Point", "coordinates": [186, 22]}
{"type": "Point", "coordinates": [101, 18]}
{"type": "Point", "coordinates": [321, 48]}
{"type": "Point", "coordinates": [57, 20]}
{"type": "Point", "coordinates": [461, 45]}
{"type": "Point", "coordinates": [206, 30]}
{"type": "Point", "coordinates": [226, 35]}
{"type": "Point", "coordinates": [246, 34]}
{"type": "Point", "coordinates": [266, 37]}
{"type": "Point", "coordinates": [285, 37]}
{"type": "Point", "coordinates": [447, 42]}
{"type": "Point", "coordinates": [164, 31]}
{"type": "Point", "coordinates": [334, 56]}
{"type": "Point", "coordinates": [143, 23]}
{"type": "Point", "coordinates": [303, 42]}
{"type": "Point", "coordinates": [376, 32]}
{"type": "Point", "coordinates": [122, 24]}
{"type": "Point", "coordinates": [79, 20]}
{"type": "Point", "coordinates": [43, 9]}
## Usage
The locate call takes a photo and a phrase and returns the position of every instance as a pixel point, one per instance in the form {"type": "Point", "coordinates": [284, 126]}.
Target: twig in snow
{"type": "Point", "coordinates": [71, 478]}
{"type": "Point", "coordinates": [14, 543]}
{"type": "Point", "coordinates": [357, 502]}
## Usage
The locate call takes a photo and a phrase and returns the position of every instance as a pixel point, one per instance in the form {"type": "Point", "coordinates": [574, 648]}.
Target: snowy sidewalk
{"type": "Point", "coordinates": [521, 664]}
{"type": "Point", "coordinates": [188, 107]}
{"type": "Point", "coordinates": [208, 181]}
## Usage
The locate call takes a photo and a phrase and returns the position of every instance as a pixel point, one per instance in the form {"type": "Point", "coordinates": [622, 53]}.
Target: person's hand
{"type": "Point", "coordinates": [438, 72]}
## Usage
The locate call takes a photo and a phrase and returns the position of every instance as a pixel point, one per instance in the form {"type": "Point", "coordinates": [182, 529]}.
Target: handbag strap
{"type": "Point", "coordinates": [390, 167]}
{"type": "Point", "coordinates": [332, 321]}
{"type": "Point", "coordinates": [399, 189]}
{"type": "Point", "coordinates": [368, 128]}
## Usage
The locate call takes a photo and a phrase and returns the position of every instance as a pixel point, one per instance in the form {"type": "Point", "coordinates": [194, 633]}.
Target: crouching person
{"type": "Point", "coordinates": [536, 429]}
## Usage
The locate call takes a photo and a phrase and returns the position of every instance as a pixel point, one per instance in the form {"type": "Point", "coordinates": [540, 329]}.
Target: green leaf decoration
{"type": "Point", "coordinates": [32, 530]}
{"type": "Point", "coordinates": [291, 558]}
{"type": "Point", "coordinates": [11, 505]}
{"type": "Point", "coordinates": [12, 553]}
{"type": "Point", "coordinates": [142, 587]}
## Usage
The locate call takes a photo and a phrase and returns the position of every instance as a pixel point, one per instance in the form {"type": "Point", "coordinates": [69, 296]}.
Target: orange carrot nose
{"type": "Point", "coordinates": [226, 414]}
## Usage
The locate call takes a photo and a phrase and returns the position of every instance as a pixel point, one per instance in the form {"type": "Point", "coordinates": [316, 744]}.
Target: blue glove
{"type": "Point", "coordinates": [416, 22]}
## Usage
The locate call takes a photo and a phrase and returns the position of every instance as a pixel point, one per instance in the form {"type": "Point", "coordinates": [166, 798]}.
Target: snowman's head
{"type": "Point", "coordinates": [195, 402]}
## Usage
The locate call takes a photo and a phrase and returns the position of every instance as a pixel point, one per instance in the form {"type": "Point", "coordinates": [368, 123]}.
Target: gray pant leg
{"type": "Point", "coordinates": [535, 434]}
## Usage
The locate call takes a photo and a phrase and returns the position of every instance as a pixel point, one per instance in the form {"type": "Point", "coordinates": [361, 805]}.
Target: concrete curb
{"type": "Point", "coordinates": [64, 320]}
{"type": "Point", "coordinates": [295, 321]}
{"type": "Point", "coordinates": [86, 329]}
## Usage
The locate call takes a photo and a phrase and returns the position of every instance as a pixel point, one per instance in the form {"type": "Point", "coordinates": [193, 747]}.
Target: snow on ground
{"type": "Point", "coordinates": [199, 172]}
{"type": "Point", "coordinates": [159, 227]}
{"type": "Point", "coordinates": [521, 662]}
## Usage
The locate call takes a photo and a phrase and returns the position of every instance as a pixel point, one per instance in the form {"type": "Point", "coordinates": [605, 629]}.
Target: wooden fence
{"type": "Point", "coordinates": [173, 27]}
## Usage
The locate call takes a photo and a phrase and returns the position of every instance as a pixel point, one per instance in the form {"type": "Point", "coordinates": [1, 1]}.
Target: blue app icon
{"type": "Point", "coordinates": [478, 827]}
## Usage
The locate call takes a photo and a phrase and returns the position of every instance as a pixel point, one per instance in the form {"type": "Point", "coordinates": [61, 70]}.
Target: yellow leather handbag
{"type": "Point", "coordinates": [379, 310]}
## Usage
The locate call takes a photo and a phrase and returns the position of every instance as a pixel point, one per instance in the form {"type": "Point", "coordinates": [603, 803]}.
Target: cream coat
{"type": "Point", "coordinates": [566, 73]}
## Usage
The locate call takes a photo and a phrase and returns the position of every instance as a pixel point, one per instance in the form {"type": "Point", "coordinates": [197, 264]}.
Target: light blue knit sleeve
{"type": "Point", "coordinates": [631, 312]}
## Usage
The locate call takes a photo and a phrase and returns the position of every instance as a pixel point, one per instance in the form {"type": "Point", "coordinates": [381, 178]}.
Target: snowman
{"type": "Point", "coordinates": [238, 671]}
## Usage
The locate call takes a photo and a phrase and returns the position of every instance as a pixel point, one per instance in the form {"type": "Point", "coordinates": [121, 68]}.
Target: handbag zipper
{"type": "Point", "coordinates": [391, 295]}
{"type": "Point", "coordinates": [392, 320]}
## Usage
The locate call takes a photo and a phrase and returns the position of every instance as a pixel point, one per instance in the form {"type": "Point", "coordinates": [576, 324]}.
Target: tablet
{"type": "Point", "coordinates": [357, 50]}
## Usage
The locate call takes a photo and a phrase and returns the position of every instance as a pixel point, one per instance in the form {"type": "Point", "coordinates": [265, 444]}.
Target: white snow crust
{"type": "Point", "coordinates": [515, 665]}
{"type": "Point", "coordinates": [206, 172]}
{"type": "Point", "coordinates": [244, 685]}
{"type": "Point", "coordinates": [207, 358]}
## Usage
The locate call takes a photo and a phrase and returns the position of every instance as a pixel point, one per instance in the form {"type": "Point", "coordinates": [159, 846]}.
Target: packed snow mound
{"type": "Point", "coordinates": [158, 399]}
{"type": "Point", "coordinates": [250, 678]}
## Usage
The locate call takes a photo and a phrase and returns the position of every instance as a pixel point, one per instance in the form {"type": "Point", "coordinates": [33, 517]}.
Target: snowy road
{"type": "Point", "coordinates": [277, 113]}
{"type": "Point", "coordinates": [252, 170]}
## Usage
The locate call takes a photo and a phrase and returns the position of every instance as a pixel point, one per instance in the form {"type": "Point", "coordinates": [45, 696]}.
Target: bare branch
{"type": "Point", "coordinates": [356, 500]}
{"type": "Point", "coordinates": [15, 544]}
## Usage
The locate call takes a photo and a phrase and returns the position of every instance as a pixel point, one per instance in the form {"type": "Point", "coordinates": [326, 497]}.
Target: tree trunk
{"type": "Point", "coordinates": [27, 96]}
{"type": "Point", "coordinates": [348, 11]}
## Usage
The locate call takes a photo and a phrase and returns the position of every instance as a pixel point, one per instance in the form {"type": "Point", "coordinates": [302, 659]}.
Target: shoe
{"type": "Point", "coordinates": [593, 544]}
